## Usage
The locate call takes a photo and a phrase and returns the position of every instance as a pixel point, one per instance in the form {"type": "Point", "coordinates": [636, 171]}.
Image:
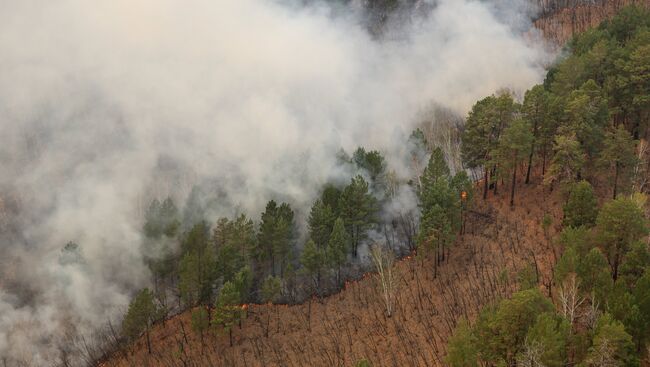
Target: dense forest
{"type": "Point", "coordinates": [584, 131]}
{"type": "Point", "coordinates": [587, 127]}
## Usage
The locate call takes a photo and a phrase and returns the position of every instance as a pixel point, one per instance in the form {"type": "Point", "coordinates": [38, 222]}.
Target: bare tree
{"type": "Point", "coordinates": [384, 260]}
{"type": "Point", "coordinates": [569, 298]}
{"type": "Point", "coordinates": [603, 355]}
{"type": "Point", "coordinates": [531, 355]}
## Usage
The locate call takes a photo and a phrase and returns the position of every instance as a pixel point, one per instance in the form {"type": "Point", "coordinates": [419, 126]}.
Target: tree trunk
{"type": "Point", "coordinates": [230, 335]}
{"type": "Point", "coordinates": [485, 184]}
{"type": "Point", "coordinates": [544, 161]}
{"type": "Point", "coordinates": [615, 180]}
{"type": "Point", "coordinates": [512, 189]}
{"type": "Point", "coordinates": [495, 181]}
{"type": "Point", "coordinates": [148, 340]}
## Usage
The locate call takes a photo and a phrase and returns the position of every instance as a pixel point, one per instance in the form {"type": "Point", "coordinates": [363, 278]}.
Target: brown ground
{"type": "Point", "coordinates": [352, 325]}
{"type": "Point", "coordinates": [560, 25]}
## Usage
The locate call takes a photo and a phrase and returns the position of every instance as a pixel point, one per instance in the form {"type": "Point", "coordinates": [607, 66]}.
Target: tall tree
{"type": "Point", "coordinates": [479, 137]}
{"type": "Point", "coordinates": [197, 266]}
{"type": "Point", "coordinates": [567, 160]}
{"type": "Point", "coordinates": [461, 348]}
{"type": "Point", "coordinates": [313, 260]}
{"type": "Point", "coordinates": [581, 208]}
{"type": "Point", "coordinates": [619, 154]}
{"type": "Point", "coordinates": [337, 248]}
{"type": "Point", "coordinates": [141, 313]}
{"type": "Point", "coordinates": [275, 235]}
{"type": "Point", "coordinates": [536, 111]}
{"type": "Point", "coordinates": [358, 209]}
{"type": "Point", "coordinates": [227, 310]}
{"type": "Point", "coordinates": [620, 223]}
{"type": "Point", "coordinates": [321, 220]}
{"type": "Point", "coordinates": [513, 147]}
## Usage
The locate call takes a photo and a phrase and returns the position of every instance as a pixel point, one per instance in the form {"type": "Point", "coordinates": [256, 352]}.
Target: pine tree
{"type": "Point", "coordinates": [567, 162]}
{"type": "Point", "coordinates": [549, 333]}
{"type": "Point", "coordinates": [620, 223]}
{"type": "Point", "coordinates": [197, 266]}
{"type": "Point", "coordinates": [581, 208]}
{"type": "Point", "coordinates": [337, 248]}
{"type": "Point", "coordinates": [478, 139]}
{"type": "Point", "coordinates": [271, 289]}
{"type": "Point", "coordinates": [321, 221]}
{"type": "Point", "coordinates": [619, 154]}
{"type": "Point", "coordinates": [227, 311]}
{"type": "Point", "coordinates": [512, 148]}
{"type": "Point", "coordinates": [536, 112]}
{"type": "Point", "coordinates": [275, 236]}
{"type": "Point", "coordinates": [461, 348]}
{"type": "Point", "coordinates": [313, 260]}
{"type": "Point", "coordinates": [141, 313]}
{"type": "Point", "coordinates": [587, 114]}
{"type": "Point", "coordinates": [358, 209]}
{"type": "Point", "coordinates": [200, 321]}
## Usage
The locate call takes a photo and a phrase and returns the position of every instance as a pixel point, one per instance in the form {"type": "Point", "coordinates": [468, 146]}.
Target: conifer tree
{"type": "Point", "coordinates": [321, 221]}
{"type": "Point", "coordinates": [337, 248]}
{"type": "Point", "coordinates": [313, 260]}
{"type": "Point", "coordinates": [513, 147]}
{"type": "Point", "coordinates": [358, 209]}
{"type": "Point", "coordinates": [141, 313]}
{"type": "Point", "coordinates": [618, 155]}
{"type": "Point", "coordinates": [620, 223]}
{"type": "Point", "coordinates": [581, 208]}
{"type": "Point", "coordinates": [227, 310]}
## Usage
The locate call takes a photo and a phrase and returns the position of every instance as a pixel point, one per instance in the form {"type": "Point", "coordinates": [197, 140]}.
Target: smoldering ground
{"type": "Point", "coordinates": [106, 104]}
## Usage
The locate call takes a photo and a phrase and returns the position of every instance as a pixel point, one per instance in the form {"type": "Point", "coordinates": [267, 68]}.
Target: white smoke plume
{"type": "Point", "coordinates": [106, 104]}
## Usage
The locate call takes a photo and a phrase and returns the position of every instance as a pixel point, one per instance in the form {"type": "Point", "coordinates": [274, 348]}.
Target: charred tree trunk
{"type": "Point", "coordinates": [512, 189]}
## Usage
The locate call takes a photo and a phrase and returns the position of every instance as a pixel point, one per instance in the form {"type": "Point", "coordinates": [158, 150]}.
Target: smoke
{"type": "Point", "coordinates": [107, 104]}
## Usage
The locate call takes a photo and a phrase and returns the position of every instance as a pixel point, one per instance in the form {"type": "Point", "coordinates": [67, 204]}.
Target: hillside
{"type": "Point", "coordinates": [342, 329]}
{"type": "Point", "coordinates": [561, 20]}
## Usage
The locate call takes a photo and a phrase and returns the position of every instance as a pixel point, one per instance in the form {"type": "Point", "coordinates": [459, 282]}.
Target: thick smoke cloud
{"type": "Point", "coordinates": [107, 104]}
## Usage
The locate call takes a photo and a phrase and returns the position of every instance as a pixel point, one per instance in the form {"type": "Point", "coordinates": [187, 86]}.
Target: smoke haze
{"type": "Point", "coordinates": [105, 105]}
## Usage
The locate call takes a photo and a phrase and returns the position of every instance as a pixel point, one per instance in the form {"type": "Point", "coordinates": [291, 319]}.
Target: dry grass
{"type": "Point", "coordinates": [352, 325]}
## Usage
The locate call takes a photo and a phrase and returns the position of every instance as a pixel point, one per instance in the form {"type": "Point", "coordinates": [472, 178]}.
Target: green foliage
{"type": "Point", "coordinates": [243, 281]}
{"type": "Point", "coordinates": [620, 223]}
{"type": "Point", "coordinates": [275, 236]}
{"type": "Point", "coordinates": [636, 262]}
{"type": "Point", "coordinates": [358, 209]}
{"type": "Point", "coordinates": [594, 273]}
{"type": "Point", "coordinates": [337, 247]}
{"type": "Point", "coordinates": [200, 320]}
{"type": "Point", "coordinates": [271, 289]}
{"type": "Point", "coordinates": [161, 219]}
{"type": "Point", "coordinates": [372, 162]}
{"type": "Point", "coordinates": [330, 197]}
{"type": "Point", "coordinates": [612, 345]}
{"type": "Point", "coordinates": [568, 160]}
{"type": "Point", "coordinates": [227, 310]}
{"type": "Point", "coordinates": [321, 222]}
{"type": "Point", "coordinates": [197, 266]}
{"type": "Point", "coordinates": [313, 260]}
{"type": "Point", "coordinates": [514, 146]}
{"type": "Point", "coordinates": [618, 155]}
{"type": "Point", "coordinates": [502, 330]}
{"type": "Point", "coordinates": [549, 333]}
{"type": "Point", "coordinates": [581, 208]}
{"type": "Point", "coordinates": [440, 203]}
{"type": "Point", "coordinates": [461, 347]}
{"type": "Point", "coordinates": [234, 240]}
{"type": "Point", "coordinates": [142, 311]}
{"type": "Point", "coordinates": [527, 277]}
